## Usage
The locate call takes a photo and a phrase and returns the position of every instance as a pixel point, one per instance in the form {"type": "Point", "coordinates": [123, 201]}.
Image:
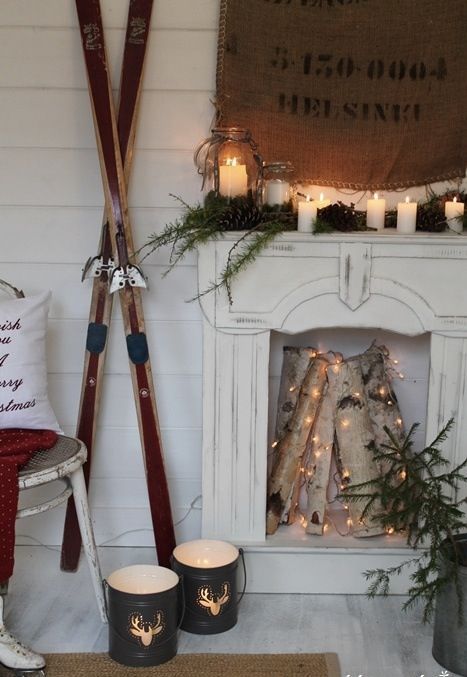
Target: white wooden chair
{"type": "Point", "coordinates": [63, 464]}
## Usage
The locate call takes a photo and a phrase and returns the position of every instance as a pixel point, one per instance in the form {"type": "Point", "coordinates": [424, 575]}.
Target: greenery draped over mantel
{"type": "Point", "coordinates": [259, 226]}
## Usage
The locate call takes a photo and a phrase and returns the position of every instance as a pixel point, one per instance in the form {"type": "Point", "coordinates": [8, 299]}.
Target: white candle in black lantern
{"type": "Point", "coordinates": [229, 163]}
{"type": "Point", "coordinates": [208, 570]}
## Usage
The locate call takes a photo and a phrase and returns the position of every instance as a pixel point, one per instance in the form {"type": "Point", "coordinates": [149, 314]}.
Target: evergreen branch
{"type": "Point", "coordinates": [422, 506]}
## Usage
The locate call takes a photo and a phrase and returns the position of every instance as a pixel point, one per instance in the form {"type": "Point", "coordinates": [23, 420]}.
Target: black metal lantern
{"type": "Point", "coordinates": [143, 612]}
{"type": "Point", "coordinates": [208, 571]}
{"type": "Point", "coordinates": [229, 163]}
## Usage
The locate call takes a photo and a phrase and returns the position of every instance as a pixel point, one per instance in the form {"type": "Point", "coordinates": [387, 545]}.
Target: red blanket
{"type": "Point", "coordinates": [16, 448]}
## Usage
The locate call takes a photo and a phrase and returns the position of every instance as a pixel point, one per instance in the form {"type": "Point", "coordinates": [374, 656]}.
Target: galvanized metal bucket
{"type": "Point", "coordinates": [144, 608]}
{"type": "Point", "coordinates": [450, 636]}
{"type": "Point", "coordinates": [209, 578]}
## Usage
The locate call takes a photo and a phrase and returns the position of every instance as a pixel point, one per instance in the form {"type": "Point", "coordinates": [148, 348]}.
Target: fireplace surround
{"type": "Point", "coordinates": [404, 284]}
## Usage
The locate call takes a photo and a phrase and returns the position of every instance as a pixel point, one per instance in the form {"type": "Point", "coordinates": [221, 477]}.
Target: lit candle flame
{"type": "Point", "coordinates": [407, 199]}
{"type": "Point", "coordinates": [321, 197]}
{"type": "Point", "coordinates": [454, 199]}
{"type": "Point", "coordinates": [376, 196]}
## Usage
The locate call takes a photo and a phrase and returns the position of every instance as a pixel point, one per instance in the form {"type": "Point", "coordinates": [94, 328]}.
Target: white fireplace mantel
{"type": "Point", "coordinates": [405, 284]}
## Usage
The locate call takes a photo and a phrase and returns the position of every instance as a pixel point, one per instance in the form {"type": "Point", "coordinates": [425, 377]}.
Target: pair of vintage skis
{"type": "Point", "coordinates": [113, 269]}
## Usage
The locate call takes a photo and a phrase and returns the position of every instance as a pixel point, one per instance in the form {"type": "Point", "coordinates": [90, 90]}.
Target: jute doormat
{"type": "Point", "coordinates": [199, 665]}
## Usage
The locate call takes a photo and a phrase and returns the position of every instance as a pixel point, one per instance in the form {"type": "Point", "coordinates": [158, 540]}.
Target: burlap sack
{"type": "Point", "coordinates": [356, 93]}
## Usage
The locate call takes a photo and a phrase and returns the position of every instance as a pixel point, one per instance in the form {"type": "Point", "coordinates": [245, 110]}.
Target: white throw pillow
{"type": "Point", "coordinates": [24, 401]}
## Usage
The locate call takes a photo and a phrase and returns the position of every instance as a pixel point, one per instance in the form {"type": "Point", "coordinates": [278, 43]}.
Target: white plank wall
{"type": "Point", "coordinates": [50, 212]}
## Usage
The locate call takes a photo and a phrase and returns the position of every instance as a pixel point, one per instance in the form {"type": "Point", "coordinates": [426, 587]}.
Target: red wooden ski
{"type": "Point", "coordinates": [123, 274]}
{"type": "Point", "coordinates": [101, 266]}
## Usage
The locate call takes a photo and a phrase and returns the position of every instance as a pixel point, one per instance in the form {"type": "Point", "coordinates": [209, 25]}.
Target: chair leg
{"type": "Point", "coordinates": [87, 534]}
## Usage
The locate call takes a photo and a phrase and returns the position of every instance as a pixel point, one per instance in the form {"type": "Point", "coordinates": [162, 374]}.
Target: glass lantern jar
{"type": "Point", "coordinates": [229, 163]}
{"type": "Point", "coordinates": [277, 183]}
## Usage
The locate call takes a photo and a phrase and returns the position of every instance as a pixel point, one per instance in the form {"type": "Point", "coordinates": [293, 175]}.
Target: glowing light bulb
{"type": "Point", "coordinates": [292, 388]}
{"type": "Point", "coordinates": [308, 420]}
{"type": "Point", "coordinates": [345, 423]}
{"type": "Point", "coordinates": [403, 474]}
{"type": "Point", "coordinates": [274, 444]}
{"type": "Point", "coordinates": [401, 375]}
{"type": "Point", "coordinates": [390, 530]}
{"type": "Point", "coordinates": [399, 421]}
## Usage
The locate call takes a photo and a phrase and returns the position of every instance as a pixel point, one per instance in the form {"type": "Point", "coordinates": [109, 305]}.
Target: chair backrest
{"type": "Point", "coordinates": [9, 290]}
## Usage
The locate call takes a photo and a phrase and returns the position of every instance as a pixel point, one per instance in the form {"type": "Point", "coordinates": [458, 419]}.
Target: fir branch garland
{"type": "Point", "coordinates": [217, 215]}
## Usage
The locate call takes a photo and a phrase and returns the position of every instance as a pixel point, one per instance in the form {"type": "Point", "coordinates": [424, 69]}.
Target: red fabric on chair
{"type": "Point", "coordinates": [16, 448]}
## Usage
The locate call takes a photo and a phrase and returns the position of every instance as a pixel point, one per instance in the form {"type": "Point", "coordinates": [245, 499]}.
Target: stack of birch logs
{"type": "Point", "coordinates": [329, 406]}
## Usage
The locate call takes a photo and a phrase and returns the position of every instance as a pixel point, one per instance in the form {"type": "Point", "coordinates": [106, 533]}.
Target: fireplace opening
{"type": "Point", "coordinates": [409, 373]}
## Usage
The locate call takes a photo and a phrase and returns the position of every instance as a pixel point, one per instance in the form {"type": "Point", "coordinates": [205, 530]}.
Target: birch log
{"type": "Point", "coordinates": [292, 446]}
{"type": "Point", "coordinates": [382, 401]}
{"type": "Point", "coordinates": [356, 440]}
{"type": "Point", "coordinates": [318, 463]}
{"type": "Point", "coordinates": [295, 362]}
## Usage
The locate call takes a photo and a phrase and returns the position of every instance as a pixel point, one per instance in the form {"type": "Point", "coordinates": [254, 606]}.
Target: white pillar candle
{"type": "Point", "coordinates": [375, 212]}
{"type": "Point", "coordinates": [454, 212]}
{"type": "Point", "coordinates": [322, 203]}
{"type": "Point", "coordinates": [233, 179]}
{"type": "Point", "coordinates": [277, 192]}
{"type": "Point", "coordinates": [307, 210]}
{"type": "Point", "coordinates": [406, 217]}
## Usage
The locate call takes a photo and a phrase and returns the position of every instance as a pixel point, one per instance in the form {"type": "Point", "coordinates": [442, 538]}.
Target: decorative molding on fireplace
{"type": "Point", "coordinates": [410, 285]}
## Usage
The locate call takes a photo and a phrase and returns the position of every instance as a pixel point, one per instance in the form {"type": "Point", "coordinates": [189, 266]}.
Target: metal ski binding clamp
{"type": "Point", "coordinates": [131, 275]}
{"type": "Point", "coordinates": [95, 266]}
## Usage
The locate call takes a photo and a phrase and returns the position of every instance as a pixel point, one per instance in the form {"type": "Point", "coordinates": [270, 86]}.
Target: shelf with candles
{"type": "Point", "coordinates": [259, 225]}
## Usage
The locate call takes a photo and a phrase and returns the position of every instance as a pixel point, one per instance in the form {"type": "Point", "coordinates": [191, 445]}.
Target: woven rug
{"type": "Point", "coordinates": [199, 665]}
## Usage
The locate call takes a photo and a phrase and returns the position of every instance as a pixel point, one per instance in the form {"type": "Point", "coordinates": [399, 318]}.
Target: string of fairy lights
{"type": "Point", "coordinates": [315, 448]}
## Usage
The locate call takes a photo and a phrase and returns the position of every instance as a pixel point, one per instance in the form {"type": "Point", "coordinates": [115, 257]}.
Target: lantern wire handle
{"type": "Point", "coordinates": [242, 554]}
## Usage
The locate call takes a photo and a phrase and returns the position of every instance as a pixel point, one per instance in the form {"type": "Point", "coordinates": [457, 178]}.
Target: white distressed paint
{"type": "Point", "coordinates": [381, 283]}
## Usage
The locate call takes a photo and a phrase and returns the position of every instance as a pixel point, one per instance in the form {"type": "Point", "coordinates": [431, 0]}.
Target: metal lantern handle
{"type": "Point", "coordinates": [242, 555]}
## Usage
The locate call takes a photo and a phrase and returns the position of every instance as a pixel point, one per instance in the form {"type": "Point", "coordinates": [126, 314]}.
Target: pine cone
{"type": "Point", "coordinates": [430, 217]}
{"type": "Point", "coordinates": [340, 216]}
{"type": "Point", "coordinates": [240, 215]}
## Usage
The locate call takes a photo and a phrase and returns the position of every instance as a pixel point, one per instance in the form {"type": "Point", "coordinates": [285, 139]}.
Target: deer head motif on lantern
{"type": "Point", "coordinates": [212, 602]}
{"type": "Point", "coordinates": [146, 631]}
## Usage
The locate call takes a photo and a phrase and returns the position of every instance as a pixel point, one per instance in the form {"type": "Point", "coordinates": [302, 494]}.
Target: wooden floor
{"type": "Point", "coordinates": [54, 611]}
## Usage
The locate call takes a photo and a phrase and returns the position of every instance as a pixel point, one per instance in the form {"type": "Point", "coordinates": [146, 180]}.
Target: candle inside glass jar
{"type": "Point", "coordinates": [277, 192]}
{"type": "Point", "coordinates": [233, 178]}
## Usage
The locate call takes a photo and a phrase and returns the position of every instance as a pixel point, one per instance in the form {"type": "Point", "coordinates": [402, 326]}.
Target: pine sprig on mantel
{"type": "Point", "coordinates": [418, 495]}
{"type": "Point", "coordinates": [212, 220]}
